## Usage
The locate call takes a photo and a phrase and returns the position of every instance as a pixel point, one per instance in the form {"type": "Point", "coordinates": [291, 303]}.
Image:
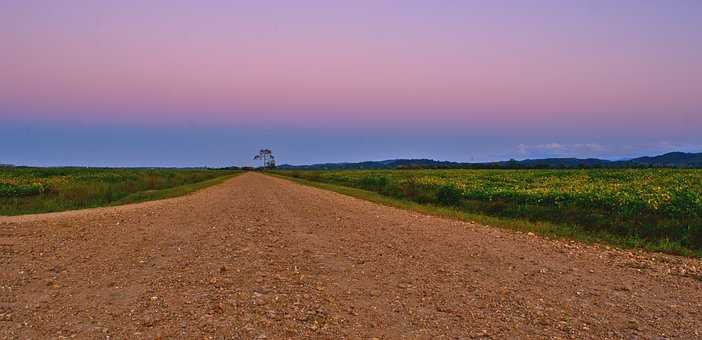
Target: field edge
{"type": "Point", "coordinates": [181, 190]}
{"type": "Point", "coordinates": [545, 229]}
{"type": "Point", "coordinates": [141, 196]}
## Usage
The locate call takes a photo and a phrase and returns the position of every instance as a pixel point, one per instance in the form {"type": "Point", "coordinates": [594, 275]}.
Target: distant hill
{"type": "Point", "coordinates": [387, 164]}
{"type": "Point", "coordinates": [673, 159]}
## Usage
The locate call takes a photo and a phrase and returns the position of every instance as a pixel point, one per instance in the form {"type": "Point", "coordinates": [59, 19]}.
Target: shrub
{"type": "Point", "coordinates": [449, 194]}
{"type": "Point", "coordinates": [412, 189]}
{"type": "Point", "coordinates": [374, 183]}
{"type": "Point", "coordinates": [695, 235]}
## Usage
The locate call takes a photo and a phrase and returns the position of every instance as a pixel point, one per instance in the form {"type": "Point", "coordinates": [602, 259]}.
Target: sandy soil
{"type": "Point", "coordinates": [261, 257]}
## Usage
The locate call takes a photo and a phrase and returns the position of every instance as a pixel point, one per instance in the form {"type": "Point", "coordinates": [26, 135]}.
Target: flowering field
{"type": "Point", "coordinates": [655, 204]}
{"type": "Point", "coordinates": [32, 190]}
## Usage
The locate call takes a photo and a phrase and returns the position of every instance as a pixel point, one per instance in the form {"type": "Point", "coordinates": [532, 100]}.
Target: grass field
{"type": "Point", "coordinates": [38, 190]}
{"type": "Point", "coordinates": [659, 209]}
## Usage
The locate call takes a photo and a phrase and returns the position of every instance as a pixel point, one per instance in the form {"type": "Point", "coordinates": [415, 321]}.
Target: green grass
{"type": "Point", "coordinates": [565, 221]}
{"type": "Point", "coordinates": [151, 195]}
{"type": "Point", "coordinates": [40, 190]}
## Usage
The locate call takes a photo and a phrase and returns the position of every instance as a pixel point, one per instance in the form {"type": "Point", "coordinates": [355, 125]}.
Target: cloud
{"type": "Point", "coordinates": [595, 150]}
{"type": "Point", "coordinates": [561, 150]}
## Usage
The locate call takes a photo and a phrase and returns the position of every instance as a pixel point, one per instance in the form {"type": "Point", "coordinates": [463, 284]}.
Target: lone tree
{"type": "Point", "coordinates": [266, 155]}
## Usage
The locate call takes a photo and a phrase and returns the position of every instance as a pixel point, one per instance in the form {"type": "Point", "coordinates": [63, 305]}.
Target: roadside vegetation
{"type": "Point", "coordinates": [25, 190]}
{"type": "Point", "coordinates": [656, 209]}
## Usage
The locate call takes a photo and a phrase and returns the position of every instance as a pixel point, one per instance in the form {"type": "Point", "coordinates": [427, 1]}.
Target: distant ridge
{"type": "Point", "coordinates": [670, 160]}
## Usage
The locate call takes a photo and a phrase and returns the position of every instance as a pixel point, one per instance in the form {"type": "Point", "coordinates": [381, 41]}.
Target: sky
{"type": "Point", "coordinates": [208, 83]}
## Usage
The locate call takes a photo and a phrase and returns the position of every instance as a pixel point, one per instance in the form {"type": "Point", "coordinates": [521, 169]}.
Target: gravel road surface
{"type": "Point", "coordinates": [262, 257]}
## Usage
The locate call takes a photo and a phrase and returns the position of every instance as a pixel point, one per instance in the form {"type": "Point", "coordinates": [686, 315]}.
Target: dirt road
{"type": "Point", "coordinates": [261, 257]}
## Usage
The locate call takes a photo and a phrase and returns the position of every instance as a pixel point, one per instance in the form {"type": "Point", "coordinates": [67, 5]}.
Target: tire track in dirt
{"type": "Point", "coordinates": [261, 256]}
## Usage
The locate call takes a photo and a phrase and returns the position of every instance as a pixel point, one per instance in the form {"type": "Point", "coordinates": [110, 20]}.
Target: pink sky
{"type": "Point", "coordinates": [500, 65]}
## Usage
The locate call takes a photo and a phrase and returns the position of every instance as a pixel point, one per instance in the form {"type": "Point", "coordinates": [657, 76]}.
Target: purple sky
{"type": "Point", "coordinates": [210, 82]}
